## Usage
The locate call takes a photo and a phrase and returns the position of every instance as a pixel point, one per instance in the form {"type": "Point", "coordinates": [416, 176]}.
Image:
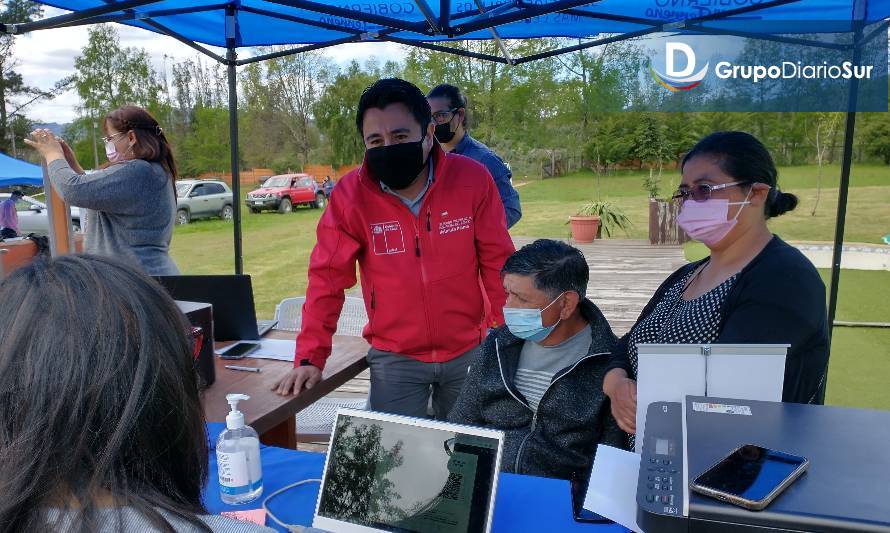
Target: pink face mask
{"type": "Point", "coordinates": [707, 221]}
{"type": "Point", "coordinates": [111, 152]}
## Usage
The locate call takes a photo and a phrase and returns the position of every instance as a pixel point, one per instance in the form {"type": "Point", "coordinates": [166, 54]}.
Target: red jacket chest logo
{"type": "Point", "coordinates": [387, 238]}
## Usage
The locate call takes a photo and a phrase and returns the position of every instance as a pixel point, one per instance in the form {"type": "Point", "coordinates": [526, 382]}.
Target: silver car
{"type": "Point", "coordinates": [33, 217]}
{"type": "Point", "coordinates": [202, 199]}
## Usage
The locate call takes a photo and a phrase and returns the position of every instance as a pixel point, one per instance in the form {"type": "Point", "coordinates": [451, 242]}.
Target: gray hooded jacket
{"type": "Point", "coordinates": [560, 438]}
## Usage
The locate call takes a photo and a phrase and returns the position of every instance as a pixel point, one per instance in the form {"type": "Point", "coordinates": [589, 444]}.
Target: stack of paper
{"type": "Point", "coordinates": [277, 349]}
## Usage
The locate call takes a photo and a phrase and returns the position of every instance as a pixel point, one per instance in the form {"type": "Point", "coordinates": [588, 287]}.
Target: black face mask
{"type": "Point", "coordinates": [397, 165]}
{"type": "Point", "coordinates": [444, 133]}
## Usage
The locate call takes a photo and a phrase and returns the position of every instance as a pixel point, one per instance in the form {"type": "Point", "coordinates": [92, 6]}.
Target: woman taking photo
{"type": "Point", "coordinates": [101, 427]}
{"type": "Point", "coordinates": [130, 203]}
{"type": "Point", "coordinates": [753, 288]}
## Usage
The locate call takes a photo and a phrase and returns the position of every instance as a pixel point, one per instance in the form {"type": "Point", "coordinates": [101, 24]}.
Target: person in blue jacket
{"type": "Point", "coordinates": [449, 107]}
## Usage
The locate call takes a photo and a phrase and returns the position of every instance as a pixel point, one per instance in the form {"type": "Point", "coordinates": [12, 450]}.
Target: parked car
{"type": "Point", "coordinates": [33, 216]}
{"type": "Point", "coordinates": [203, 199]}
{"type": "Point", "coordinates": [284, 191]}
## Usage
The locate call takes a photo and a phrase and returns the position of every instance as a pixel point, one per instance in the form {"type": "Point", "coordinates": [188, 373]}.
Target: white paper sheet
{"type": "Point", "coordinates": [612, 491]}
{"type": "Point", "coordinates": [277, 349]}
{"type": "Point", "coordinates": [757, 377]}
{"type": "Point", "coordinates": [666, 378]}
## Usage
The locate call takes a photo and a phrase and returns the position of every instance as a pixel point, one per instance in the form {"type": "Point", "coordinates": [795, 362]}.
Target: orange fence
{"type": "Point", "coordinates": [251, 178]}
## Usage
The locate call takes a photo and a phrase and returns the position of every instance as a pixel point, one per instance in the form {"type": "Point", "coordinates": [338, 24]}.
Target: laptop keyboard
{"type": "Point", "coordinates": [263, 326]}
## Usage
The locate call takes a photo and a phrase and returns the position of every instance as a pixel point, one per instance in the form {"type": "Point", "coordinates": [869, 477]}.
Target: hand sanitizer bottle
{"type": "Point", "coordinates": [238, 458]}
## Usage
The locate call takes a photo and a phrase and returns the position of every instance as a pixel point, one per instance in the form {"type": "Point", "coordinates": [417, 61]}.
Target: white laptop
{"type": "Point", "coordinates": [401, 474]}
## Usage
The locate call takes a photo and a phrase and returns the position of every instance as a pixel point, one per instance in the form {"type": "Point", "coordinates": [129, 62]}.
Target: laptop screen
{"type": "Point", "coordinates": [234, 315]}
{"type": "Point", "coordinates": [409, 475]}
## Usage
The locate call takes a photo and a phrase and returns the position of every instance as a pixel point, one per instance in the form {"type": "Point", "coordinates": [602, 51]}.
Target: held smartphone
{"type": "Point", "coordinates": [579, 513]}
{"type": "Point", "coordinates": [750, 476]}
{"type": "Point", "coordinates": [239, 350]}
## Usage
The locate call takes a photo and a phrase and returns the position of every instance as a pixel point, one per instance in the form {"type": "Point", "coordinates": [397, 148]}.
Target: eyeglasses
{"type": "Point", "coordinates": [441, 117]}
{"type": "Point", "coordinates": [112, 137]}
{"type": "Point", "coordinates": [196, 338]}
{"type": "Point", "coordinates": [702, 191]}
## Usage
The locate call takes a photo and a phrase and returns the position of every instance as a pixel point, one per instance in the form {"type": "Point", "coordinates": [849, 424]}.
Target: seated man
{"type": "Point", "coordinates": [540, 378]}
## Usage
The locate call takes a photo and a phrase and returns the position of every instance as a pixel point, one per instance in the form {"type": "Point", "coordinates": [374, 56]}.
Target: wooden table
{"type": "Point", "coordinates": [271, 415]}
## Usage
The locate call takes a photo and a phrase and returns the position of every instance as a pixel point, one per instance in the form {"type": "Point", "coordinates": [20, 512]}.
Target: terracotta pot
{"type": "Point", "coordinates": [584, 229]}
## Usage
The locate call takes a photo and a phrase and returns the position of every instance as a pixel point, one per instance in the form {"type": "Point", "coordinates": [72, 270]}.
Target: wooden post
{"type": "Point", "coordinates": [61, 234]}
{"type": "Point", "coordinates": [663, 228]}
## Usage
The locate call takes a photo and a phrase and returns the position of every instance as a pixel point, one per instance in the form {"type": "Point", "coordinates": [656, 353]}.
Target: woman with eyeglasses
{"type": "Point", "coordinates": [131, 202]}
{"type": "Point", "coordinates": [753, 288]}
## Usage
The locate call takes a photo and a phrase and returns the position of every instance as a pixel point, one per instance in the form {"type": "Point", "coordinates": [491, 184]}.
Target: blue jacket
{"type": "Point", "coordinates": [501, 173]}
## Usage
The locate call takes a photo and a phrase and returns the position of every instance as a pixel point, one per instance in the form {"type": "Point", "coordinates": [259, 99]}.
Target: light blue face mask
{"type": "Point", "coordinates": [528, 324]}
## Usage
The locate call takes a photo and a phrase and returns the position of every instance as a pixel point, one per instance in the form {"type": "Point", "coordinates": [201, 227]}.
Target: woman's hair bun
{"type": "Point", "coordinates": [782, 203]}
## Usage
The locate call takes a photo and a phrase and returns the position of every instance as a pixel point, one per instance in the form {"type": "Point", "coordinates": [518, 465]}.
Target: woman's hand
{"type": "Point", "coordinates": [69, 156]}
{"type": "Point", "coordinates": [45, 142]}
{"type": "Point", "coordinates": [622, 391]}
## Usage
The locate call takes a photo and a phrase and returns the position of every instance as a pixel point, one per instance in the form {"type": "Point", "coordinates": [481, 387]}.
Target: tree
{"type": "Point", "coordinates": [335, 113]}
{"type": "Point", "coordinates": [823, 127]}
{"type": "Point", "coordinates": [109, 76]}
{"type": "Point", "coordinates": [206, 147]}
{"type": "Point", "coordinates": [295, 85]}
{"type": "Point", "coordinates": [11, 83]}
{"type": "Point", "coordinates": [876, 136]}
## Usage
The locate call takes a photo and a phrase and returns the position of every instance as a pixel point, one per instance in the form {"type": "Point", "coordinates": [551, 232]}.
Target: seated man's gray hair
{"type": "Point", "coordinates": [555, 266]}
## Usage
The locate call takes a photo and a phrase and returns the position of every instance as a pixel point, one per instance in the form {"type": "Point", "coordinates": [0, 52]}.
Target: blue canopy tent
{"type": "Point", "coordinates": [316, 24]}
{"type": "Point", "coordinates": [17, 172]}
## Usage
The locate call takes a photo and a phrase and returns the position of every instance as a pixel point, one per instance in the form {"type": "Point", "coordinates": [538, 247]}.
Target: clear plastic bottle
{"type": "Point", "coordinates": [238, 458]}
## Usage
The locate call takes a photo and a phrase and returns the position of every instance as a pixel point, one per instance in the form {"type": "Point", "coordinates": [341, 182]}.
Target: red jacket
{"type": "Point", "coordinates": [420, 276]}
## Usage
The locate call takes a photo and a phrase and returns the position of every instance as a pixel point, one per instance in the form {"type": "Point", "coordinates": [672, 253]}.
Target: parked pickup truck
{"type": "Point", "coordinates": [284, 191]}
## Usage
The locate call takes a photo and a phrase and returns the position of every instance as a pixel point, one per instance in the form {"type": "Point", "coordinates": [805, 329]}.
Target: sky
{"type": "Point", "coordinates": [46, 56]}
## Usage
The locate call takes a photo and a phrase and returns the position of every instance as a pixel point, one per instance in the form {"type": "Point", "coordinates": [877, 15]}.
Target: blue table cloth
{"type": "Point", "coordinates": [523, 504]}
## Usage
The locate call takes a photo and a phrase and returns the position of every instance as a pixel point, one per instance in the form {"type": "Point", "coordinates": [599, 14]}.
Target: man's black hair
{"type": "Point", "coordinates": [456, 99]}
{"type": "Point", "coordinates": [555, 266]}
{"type": "Point", "coordinates": [394, 91]}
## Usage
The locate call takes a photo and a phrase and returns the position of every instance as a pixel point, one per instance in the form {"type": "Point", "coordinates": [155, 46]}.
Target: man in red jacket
{"type": "Point", "coordinates": [424, 227]}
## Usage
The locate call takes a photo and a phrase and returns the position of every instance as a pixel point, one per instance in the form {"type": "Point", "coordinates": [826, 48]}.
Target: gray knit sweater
{"type": "Point", "coordinates": [130, 210]}
{"type": "Point", "coordinates": [129, 520]}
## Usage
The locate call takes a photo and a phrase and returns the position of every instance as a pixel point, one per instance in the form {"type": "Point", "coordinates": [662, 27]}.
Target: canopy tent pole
{"type": "Point", "coordinates": [846, 163]}
{"type": "Point", "coordinates": [231, 62]}
{"type": "Point", "coordinates": [233, 146]}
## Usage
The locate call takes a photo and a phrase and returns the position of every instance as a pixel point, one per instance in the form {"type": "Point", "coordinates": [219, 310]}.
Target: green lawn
{"type": "Point", "coordinates": [547, 204]}
{"type": "Point", "coordinates": [277, 247]}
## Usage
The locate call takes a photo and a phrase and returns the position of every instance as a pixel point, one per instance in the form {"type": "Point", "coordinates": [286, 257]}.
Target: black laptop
{"type": "Point", "coordinates": [234, 315]}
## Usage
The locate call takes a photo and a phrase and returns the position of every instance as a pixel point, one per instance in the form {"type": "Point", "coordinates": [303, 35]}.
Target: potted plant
{"type": "Point", "coordinates": [595, 217]}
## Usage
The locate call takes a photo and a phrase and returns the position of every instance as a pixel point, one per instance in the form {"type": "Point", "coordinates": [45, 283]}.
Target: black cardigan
{"type": "Point", "coordinates": [778, 298]}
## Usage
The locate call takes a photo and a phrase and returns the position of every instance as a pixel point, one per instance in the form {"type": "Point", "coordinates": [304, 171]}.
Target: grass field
{"type": "Point", "coordinates": [277, 247]}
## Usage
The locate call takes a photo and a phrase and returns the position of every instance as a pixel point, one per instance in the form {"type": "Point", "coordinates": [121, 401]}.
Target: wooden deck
{"type": "Point", "coordinates": [624, 274]}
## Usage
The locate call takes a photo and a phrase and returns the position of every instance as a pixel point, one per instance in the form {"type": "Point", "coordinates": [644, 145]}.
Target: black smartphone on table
{"type": "Point", "coordinates": [239, 350]}
{"type": "Point", "coordinates": [750, 476]}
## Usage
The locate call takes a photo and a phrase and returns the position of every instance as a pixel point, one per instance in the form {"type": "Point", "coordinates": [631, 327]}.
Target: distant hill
{"type": "Point", "coordinates": [54, 127]}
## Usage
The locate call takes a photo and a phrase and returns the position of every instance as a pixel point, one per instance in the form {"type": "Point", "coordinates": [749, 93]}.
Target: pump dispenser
{"type": "Point", "coordinates": [238, 457]}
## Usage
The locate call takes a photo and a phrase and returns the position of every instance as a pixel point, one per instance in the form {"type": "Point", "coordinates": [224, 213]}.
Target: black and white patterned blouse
{"type": "Point", "coordinates": [678, 321]}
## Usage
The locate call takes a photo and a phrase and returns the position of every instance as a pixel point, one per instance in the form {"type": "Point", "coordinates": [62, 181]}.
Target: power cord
{"type": "Point", "coordinates": [290, 527]}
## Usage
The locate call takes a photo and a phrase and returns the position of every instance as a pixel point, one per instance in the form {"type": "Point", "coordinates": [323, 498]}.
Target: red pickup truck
{"type": "Point", "coordinates": [284, 191]}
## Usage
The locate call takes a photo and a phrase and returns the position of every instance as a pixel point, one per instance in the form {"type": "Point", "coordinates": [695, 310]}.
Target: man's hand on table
{"type": "Point", "coordinates": [297, 379]}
